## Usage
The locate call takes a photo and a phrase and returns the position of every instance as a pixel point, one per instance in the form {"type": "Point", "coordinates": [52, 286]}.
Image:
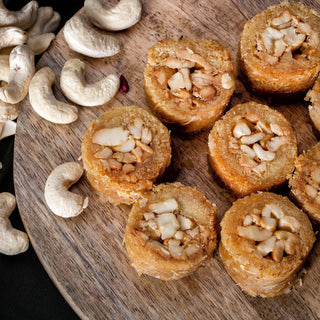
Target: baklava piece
{"type": "Point", "coordinates": [171, 231]}
{"type": "Point", "coordinates": [305, 182]}
{"type": "Point", "coordinates": [280, 49]}
{"type": "Point", "coordinates": [265, 240]}
{"type": "Point", "coordinates": [313, 96]}
{"type": "Point", "coordinates": [189, 83]}
{"type": "Point", "coordinates": [251, 148]}
{"type": "Point", "coordinates": [124, 151]}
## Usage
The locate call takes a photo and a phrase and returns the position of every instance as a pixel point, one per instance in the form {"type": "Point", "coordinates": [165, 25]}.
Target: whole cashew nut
{"type": "Point", "coordinates": [9, 111]}
{"type": "Point", "coordinates": [12, 36]}
{"type": "Point", "coordinates": [40, 42]}
{"type": "Point", "coordinates": [44, 102]}
{"type": "Point", "coordinates": [122, 16]}
{"type": "Point", "coordinates": [84, 38]}
{"type": "Point", "coordinates": [4, 68]}
{"type": "Point", "coordinates": [59, 199]}
{"type": "Point", "coordinates": [73, 85]}
{"type": "Point", "coordinates": [12, 241]}
{"type": "Point", "coordinates": [22, 19]}
{"type": "Point", "coordinates": [22, 68]}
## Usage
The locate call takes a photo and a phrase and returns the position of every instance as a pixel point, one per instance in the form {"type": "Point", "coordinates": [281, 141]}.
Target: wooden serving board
{"type": "Point", "coordinates": [85, 256]}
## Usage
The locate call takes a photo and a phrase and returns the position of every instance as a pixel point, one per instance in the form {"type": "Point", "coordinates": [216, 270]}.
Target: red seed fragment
{"type": "Point", "coordinates": [124, 87]}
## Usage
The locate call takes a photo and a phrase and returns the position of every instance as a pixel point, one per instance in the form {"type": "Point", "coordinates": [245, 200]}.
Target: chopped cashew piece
{"type": "Point", "coordinates": [84, 38]}
{"type": "Point", "coordinates": [75, 88]}
{"type": "Point", "coordinates": [22, 69]}
{"type": "Point", "coordinates": [110, 136]}
{"type": "Point", "coordinates": [44, 102]}
{"type": "Point", "coordinates": [7, 128]}
{"type": "Point", "coordinates": [122, 16]}
{"type": "Point", "coordinates": [12, 36]}
{"type": "Point", "coordinates": [22, 19]}
{"type": "Point", "coordinates": [169, 205]}
{"type": "Point", "coordinates": [59, 199]}
{"type": "Point", "coordinates": [12, 241]}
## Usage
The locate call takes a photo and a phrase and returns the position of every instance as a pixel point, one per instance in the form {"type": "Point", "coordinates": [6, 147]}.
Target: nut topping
{"type": "Point", "coordinates": [274, 232]}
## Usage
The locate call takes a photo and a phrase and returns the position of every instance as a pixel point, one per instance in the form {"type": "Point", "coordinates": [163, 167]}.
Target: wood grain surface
{"type": "Point", "coordinates": [85, 256]}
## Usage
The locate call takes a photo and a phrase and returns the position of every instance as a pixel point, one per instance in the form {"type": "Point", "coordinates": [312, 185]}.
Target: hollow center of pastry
{"type": "Point", "coordinates": [256, 141]}
{"type": "Point", "coordinates": [285, 36]}
{"type": "Point", "coordinates": [273, 233]}
{"type": "Point", "coordinates": [122, 148]}
{"type": "Point", "coordinates": [191, 80]}
{"type": "Point", "coordinates": [169, 232]}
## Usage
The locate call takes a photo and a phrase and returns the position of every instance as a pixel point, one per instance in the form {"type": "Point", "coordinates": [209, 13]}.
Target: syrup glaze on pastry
{"type": "Point", "coordinates": [124, 151]}
{"type": "Point", "coordinates": [265, 240]}
{"type": "Point", "coordinates": [189, 83]}
{"type": "Point", "coordinates": [171, 231]}
{"type": "Point", "coordinates": [280, 49]}
{"type": "Point", "coordinates": [252, 147]}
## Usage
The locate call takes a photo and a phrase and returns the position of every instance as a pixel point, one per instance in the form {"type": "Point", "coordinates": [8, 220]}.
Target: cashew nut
{"type": "Point", "coordinates": [7, 128]}
{"type": "Point", "coordinates": [22, 68]}
{"type": "Point", "coordinates": [84, 38]}
{"type": "Point", "coordinates": [12, 36]}
{"type": "Point", "coordinates": [41, 42]}
{"type": "Point", "coordinates": [12, 241]}
{"type": "Point", "coordinates": [22, 19]}
{"type": "Point", "coordinates": [4, 67]}
{"type": "Point", "coordinates": [122, 16]}
{"type": "Point", "coordinates": [73, 85]}
{"type": "Point", "coordinates": [43, 101]}
{"type": "Point", "coordinates": [59, 199]}
{"type": "Point", "coordinates": [47, 21]}
{"type": "Point", "coordinates": [9, 111]}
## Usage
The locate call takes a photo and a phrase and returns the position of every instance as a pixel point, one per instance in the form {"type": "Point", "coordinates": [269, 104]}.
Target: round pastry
{"type": "Point", "coordinates": [171, 231]}
{"type": "Point", "coordinates": [265, 240]}
{"type": "Point", "coordinates": [305, 182]}
{"type": "Point", "coordinates": [280, 49]}
{"type": "Point", "coordinates": [313, 96]}
{"type": "Point", "coordinates": [251, 148]}
{"type": "Point", "coordinates": [188, 83]}
{"type": "Point", "coordinates": [124, 151]}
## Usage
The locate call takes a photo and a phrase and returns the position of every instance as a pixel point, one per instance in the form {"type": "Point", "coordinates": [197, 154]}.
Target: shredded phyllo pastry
{"type": "Point", "coordinates": [189, 82]}
{"type": "Point", "coordinates": [265, 240]}
{"type": "Point", "coordinates": [171, 231]}
{"type": "Point", "coordinates": [279, 49]}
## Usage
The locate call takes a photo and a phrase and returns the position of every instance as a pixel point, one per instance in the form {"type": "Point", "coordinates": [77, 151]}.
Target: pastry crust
{"type": "Point", "coordinates": [305, 182]}
{"type": "Point", "coordinates": [313, 96]}
{"type": "Point", "coordinates": [280, 49]}
{"type": "Point", "coordinates": [122, 172]}
{"type": "Point", "coordinates": [188, 83]}
{"type": "Point", "coordinates": [257, 269]}
{"type": "Point", "coordinates": [251, 148]}
{"type": "Point", "coordinates": [176, 249]}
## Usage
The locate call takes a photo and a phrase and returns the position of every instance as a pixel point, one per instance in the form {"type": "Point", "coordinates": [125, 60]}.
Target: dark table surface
{"type": "Point", "coordinates": [26, 291]}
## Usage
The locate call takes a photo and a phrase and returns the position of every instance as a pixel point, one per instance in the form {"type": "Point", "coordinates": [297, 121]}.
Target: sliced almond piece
{"type": "Point", "coordinates": [110, 136]}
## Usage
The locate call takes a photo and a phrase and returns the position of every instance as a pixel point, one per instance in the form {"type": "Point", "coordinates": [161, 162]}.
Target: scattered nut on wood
{"type": "Point", "coordinates": [44, 102]}
{"type": "Point", "coordinates": [84, 38]}
{"type": "Point", "coordinates": [22, 19]}
{"type": "Point", "coordinates": [59, 199]}
{"type": "Point", "coordinates": [7, 128]}
{"type": "Point", "coordinates": [74, 87]}
{"type": "Point", "coordinates": [12, 241]}
{"type": "Point", "coordinates": [122, 16]}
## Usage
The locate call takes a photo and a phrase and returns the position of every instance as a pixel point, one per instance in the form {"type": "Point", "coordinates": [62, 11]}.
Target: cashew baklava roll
{"type": "Point", "coordinates": [188, 83]}
{"type": "Point", "coordinates": [252, 147]}
{"type": "Point", "coordinates": [305, 182]}
{"type": "Point", "coordinates": [124, 151]}
{"type": "Point", "coordinates": [280, 49]}
{"type": "Point", "coordinates": [265, 240]}
{"type": "Point", "coordinates": [171, 231]}
{"type": "Point", "coordinates": [313, 96]}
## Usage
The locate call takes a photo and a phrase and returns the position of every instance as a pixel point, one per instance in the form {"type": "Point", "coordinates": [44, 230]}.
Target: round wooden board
{"type": "Point", "coordinates": [85, 256]}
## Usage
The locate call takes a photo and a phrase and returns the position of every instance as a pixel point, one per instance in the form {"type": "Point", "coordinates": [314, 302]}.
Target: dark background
{"type": "Point", "coordinates": [26, 291]}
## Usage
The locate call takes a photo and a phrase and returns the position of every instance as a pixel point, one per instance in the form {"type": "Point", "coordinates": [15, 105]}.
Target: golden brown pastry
{"type": "Point", "coordinates": [305, 182]}
{"type": "Point", "coordinates": [313, 96]}
{"type": "Point", "coordinates": [252, 147]}
{"type": "Point", "coordinates": [171, 231]}
{"type": "Point", "coordinates": [189, 83]}
{"type": "Point", "coordinates": [124, 151]}
{"type": "Point", "coordinates": [280, 49]}
{"type": "Point", "coordinates": [265, 240]}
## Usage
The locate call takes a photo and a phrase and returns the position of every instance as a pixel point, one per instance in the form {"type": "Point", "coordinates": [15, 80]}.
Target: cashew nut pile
{"type": "Point", "coordinates": [12, 241]}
